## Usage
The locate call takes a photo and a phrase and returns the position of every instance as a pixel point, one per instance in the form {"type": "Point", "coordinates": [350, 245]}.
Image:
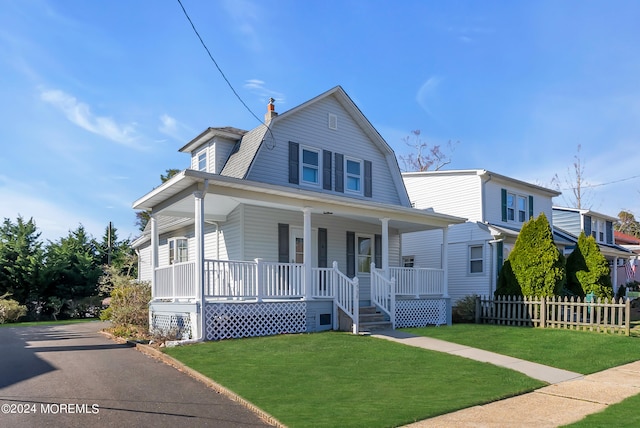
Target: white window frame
{"type": "Point", "coordinates": [178, 250]}
{"type": "Point", "coordinates": [201, 157]}
{"type": "Point", "coordinates": [348, 175]}
{"type": "Point", "coordinates": [472, 259]}
{"type": "Point", "coordinates": [601, 230]}
{"type": "Point", "coordinates": [516, 213]}
{"type": "Point", "coordinates": [367, 259]}
{"type": "Point", "coordinates": [318, 167]}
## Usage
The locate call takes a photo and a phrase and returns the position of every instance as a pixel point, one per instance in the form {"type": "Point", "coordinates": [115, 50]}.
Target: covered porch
{"type": "Point", "coordinates": [205, 281]}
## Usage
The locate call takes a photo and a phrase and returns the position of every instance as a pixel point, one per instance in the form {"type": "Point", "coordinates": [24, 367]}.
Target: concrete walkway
{"type": "Point", "coordinates": [569, 397]}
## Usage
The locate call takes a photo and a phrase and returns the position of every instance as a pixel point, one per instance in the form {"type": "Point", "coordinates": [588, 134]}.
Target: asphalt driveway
{"type": "Point", "coordinates": [72, 376]}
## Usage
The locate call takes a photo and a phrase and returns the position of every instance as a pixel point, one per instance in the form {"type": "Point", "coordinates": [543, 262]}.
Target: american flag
{"type": "Point", "coordinates": [630, 271]}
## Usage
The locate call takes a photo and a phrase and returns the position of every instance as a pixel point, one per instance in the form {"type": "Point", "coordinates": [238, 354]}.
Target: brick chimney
{"type": "Point", "coordinates": [270, 111]}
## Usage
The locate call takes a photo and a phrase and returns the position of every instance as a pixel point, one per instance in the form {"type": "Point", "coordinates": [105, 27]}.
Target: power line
{"type": "Point", "coordinates": [590, 186]}
{"type": "Point", "coordinates": [220, 70]}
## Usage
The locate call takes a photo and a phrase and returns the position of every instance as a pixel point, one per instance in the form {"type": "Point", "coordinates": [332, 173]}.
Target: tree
{"type": "Point", "coordinates": [535, 266]}
{"type": "Point", "coordinates": [576, 182]}
{"type": "Point", "coordinates": [628, 224]}
{"type": "Point", "coordinates": [588, 270]}
{"type": "Point", "coordinates": [423, 156]}
{"type": "Point", "coordinates": [142, 217]}
{"type": "Point", "coordinates": [72, 268]}
{"type": "Point", "coordinates": [21, 261]}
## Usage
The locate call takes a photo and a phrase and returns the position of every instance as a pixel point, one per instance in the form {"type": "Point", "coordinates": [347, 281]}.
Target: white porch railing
{"type": "Point", "coordinates": [176, 281]}
{"type": "Point", "coordinates": [347, 297]}
{"type": "Point", "coordinates": [253, 280]}
{"type": "Point", "coordinates": [383, 293]}
{"type": "Point", "coordinates": [418, 281]}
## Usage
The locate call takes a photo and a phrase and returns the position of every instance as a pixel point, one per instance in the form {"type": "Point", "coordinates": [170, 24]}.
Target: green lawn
{"type": "Point", "coordinates": [338, 379]}
{"type": "Point", "coordinates": [577, 351]}
{"type": "Point", "coordinates": [39, 323]}
{"type": "Point", "coordinates": [623, 414]}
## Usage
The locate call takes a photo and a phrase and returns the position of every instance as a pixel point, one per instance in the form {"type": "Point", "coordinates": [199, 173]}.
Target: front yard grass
{"type": "Point", "coordinates": [620, 415]}
{"type": "Point", "coordinates": [51, 322]}
{"type": "Point", "coordinates": [578, 351]}
{"type": "Point", "coordinates": [338, 379]}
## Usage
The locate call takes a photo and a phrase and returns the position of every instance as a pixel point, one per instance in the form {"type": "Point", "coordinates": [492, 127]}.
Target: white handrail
{"type": "Point", "coordinates": [383, 293]}
{"type": "Point", "coordinates": [347, 296]}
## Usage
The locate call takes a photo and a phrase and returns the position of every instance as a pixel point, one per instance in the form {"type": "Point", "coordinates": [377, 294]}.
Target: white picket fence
{"type": "Point", "coordinates": [556, 312]}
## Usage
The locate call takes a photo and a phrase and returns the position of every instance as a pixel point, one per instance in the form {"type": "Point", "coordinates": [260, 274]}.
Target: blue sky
{"type": "Point", "coordinates": [97, 97]}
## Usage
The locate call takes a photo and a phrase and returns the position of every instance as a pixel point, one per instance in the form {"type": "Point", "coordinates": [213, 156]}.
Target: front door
{"type": "Point", "coordinates": [296, 246]}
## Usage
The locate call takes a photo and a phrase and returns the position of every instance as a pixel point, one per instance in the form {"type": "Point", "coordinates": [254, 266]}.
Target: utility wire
{"type": "Point", "coordinates": [590, 186]}
{"type": "Point", "coordinates": [220, 70]}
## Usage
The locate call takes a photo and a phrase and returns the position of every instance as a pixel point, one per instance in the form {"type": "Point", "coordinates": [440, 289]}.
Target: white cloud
{"type": "Point", "coordinates": [427, 93]}
{"type": "Point", "coordinates": [257, 87]}
{"type": "Point", "coordinates": [246, 17]}
{"type": "Point", "coordinates": [171, 127]}
{"type": "Point", "coordinates": [80, 114]}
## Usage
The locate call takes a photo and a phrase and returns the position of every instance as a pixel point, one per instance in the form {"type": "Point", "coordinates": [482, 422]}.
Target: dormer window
{"type": "Point", "coordinates": [310, 166]}
{"type": "Point", "coordinates": [202, 161]}
{"type": "Point", "coordinates": [516, 208]}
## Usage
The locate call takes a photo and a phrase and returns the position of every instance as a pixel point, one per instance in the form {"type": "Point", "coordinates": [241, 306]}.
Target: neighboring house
{"type": "Point", "coordinates": [569, 222]}
{"type": "Point", "coordinates": [290, 227]}
{"type": "Point", "coordinates": [631, 243]}
{"type": "Point", "coordinates": [496, 207]}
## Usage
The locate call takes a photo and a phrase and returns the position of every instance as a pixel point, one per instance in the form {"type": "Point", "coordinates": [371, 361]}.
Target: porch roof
{"type": "Point", "coordinates": [174, 198]}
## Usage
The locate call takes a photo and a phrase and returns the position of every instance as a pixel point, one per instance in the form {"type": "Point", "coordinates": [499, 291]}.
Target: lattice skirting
{"type": "Point", "coordinates": [178, 325]}
{"type": "Point", "coordinates": [235, 320]}
{"type": "Point", "coordinates": [419, 313]}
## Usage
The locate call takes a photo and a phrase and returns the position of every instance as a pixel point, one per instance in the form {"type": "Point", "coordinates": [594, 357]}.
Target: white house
{"type": "Point", "coordinates": [496, 207]}
{"type": "Point", "coordinates": [289, 227]}
{"type": "Point", "coordinates": [569, 222]}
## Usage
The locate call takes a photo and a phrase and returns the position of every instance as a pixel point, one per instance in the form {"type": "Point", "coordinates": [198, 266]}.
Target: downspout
{"type": "Point", "coordinates": [493, 281]}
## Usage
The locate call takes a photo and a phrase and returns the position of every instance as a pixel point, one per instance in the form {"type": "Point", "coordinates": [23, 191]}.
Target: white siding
{"type": "Point", "coordinates": [144, 263]}
{"type": "Point", "coordinates": [457, 195]}
{"type": "Point", "coordinates": [220, 154]}
{"type": "Point", "coordinates": [309, 127]}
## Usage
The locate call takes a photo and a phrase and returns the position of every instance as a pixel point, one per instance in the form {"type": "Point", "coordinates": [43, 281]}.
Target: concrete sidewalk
{"type": "Point", "coordinates": [569, 398]}
{"type": "Point", "coordinates": [533, 370]}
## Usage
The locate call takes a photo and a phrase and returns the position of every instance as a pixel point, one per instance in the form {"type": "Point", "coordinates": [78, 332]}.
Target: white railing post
{"type": "Point", "coordinates": [259, 280]}
{"type": "Point", "coordinates": [356, 305]}
{"type": "Point", "coordinates": [416, 282]}
{"type": "Point", "coordinates": [174, 280]}
{"type": "Point", "coordinates": [392, 303]}
{"type": "Point", "coordinates": [336, 294]}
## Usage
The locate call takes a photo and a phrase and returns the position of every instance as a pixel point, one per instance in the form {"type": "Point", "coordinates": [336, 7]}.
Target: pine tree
{"type": "Point", "coordinates": [535, 266]}
{"type": "Point", "coordinates": [588, 270]}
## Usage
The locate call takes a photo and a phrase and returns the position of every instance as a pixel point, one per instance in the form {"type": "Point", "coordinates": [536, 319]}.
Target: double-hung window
{"type": "Point", "coordinates": [353, 179]}
{"type": "Point", "coordinates": [475, 259]}
{"type": "Point", "coordinates": [310, 166]}
{"type": "Point", "coordinates": [511, 207]}
{"type": "Point", "coordinates": [522, 209]}
{"type": "Point", "coordinates": [202, 161]}
{"type": "Point", "coordinates": [178, 250]}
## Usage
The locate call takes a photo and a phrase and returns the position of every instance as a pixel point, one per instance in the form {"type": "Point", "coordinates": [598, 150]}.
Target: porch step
{"type": "Point", "coordinates": [371, 319]}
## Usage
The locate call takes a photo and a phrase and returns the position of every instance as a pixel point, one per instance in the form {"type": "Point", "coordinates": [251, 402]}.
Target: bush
{"type": "Point", "coordinates": [464, 311]}
{"type": "Point", "coordinates": [588, 270]}
{"type": "Point", "coordinates": [536, 266]}
{"type": "Point", "coordinates": [10, 310]}
{"type": "Point", "coordinates": [130, 304]}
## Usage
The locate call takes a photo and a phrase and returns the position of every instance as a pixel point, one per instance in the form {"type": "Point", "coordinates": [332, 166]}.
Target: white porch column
{"type": "Point", "coordinates": [445, 261]}
{"type": "Point", "coordinates": [385, 246]}
{"type": "Point", "coordinates": [307, 258]}
{"type": "Point", "coordinates": [199, 258]}
{"type": "Point", "coordinates": [154, 253]}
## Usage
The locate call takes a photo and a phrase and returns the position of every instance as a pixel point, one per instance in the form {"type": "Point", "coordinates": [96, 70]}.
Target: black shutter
{"type": "Point", "coordinates": [503, 193]}
{"type": "Point", "coordinates": [530, 206]}
{"type": "Point", "coordinates": [368, 180]}
{"type": "Point", "coordinates": [351, 254]}
{"type": "Point", "coordinates": [377, 249]}
{"type": "Point", "coordinates": [326, 170]}
{"type": "Point", "coordinates": [322, 247]}
{"type": "Point", "coordinates": [609, 232]}
{"type": "Point", "coordinates": [283, 243]}
{"type": "Point", "coordinates": [294, 155]}
{"type": "Point", "coordinates": [339, 172]}
{"type": "Point", "coordinates": [587, 225]}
